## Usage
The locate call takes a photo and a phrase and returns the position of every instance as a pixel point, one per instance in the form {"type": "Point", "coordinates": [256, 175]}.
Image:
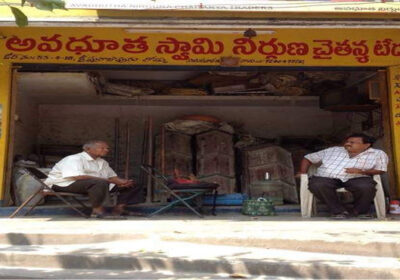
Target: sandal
{"type": "Point", "coordinates": [365, 216]}
{"type": "Point", "coordinates": [341, 216]}
{"type": "Point", "coordinates": [130, 213]}
{"type": "Point", "coordinates": [102, 216]}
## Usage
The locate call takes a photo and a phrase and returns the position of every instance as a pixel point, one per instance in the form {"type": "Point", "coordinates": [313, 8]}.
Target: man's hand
{"type": "Point", "coordinates": [354, 171]}
{"type": "Point", "coordinates": [127, 184]}
{"type": "Point", "coordinates": [121, 182]}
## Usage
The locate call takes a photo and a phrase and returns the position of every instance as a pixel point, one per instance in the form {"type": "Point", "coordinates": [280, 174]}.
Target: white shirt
{"type": "Point", "coordinates": [78, 165]}
{"type": "Point", "coordinates": [334, 161]}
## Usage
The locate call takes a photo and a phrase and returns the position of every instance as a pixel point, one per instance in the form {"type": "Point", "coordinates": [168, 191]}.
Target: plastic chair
{"type": "Point", "coordinates": [181, 192]}
{"type": "Point", "coordinates": [44, 191]}
{"type": "Point", "coordinates": [306, 197]}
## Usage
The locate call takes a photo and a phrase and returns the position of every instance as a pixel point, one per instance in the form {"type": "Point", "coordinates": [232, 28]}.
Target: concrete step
{"type": "Point", "coordinates": [319, 235]}
{"type": "Point", "coordinates": [280, 246]}
{"type": "Point", "coordinates": [353, 247]}
{"type": "Point", "coordinates": [183, 257]}
{"type": "Point", "coordinates": [7, 272]}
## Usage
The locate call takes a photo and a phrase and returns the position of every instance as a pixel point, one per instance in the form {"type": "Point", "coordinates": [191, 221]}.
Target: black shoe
{"type": "Point", "coordinates": [131, 213]}
{"type": "Point", "coordinates": [365, 216]}
{"type": "Point", "coordinates": [102, 216]}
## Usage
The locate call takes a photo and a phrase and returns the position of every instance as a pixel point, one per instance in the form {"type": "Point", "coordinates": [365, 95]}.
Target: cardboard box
{"type": "Point", "coordinates": [175, 142]}
{"type": "Point", "coordinates": [214, 142]}
{"type": "Point", "coordinates": [268, 155]}
{"type": "Point", "coordinates": [216, 164]}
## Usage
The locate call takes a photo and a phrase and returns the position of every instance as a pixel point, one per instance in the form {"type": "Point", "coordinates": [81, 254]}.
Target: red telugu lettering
{"type": "Point", "coordinates": [325, 51]}
{"type": "Point", "coordinates": [244, 46]}
{"type": "Point", "coordinates": [209, 48]}
{"type": "Point", "coordinates": [138, 45]}
{"type": "Point", "coordinates": [81, 45]}
{"type": "Point", "coordinates": [172, 45]}
{"type": "Point", "coordinates": [272, 48]}
{"type": "Point", "coordinates": [47, 46]}
{"type": "Point", "coordinates": [342, 48]}
{"type": "Point", "coordinates": [297, 48]}
{"type": "Point", "coordinates": [18, 45]}
{"type": "Point", "coordinates": [361, 51]}
{"type": "Point", "coordinates": [382, 48]}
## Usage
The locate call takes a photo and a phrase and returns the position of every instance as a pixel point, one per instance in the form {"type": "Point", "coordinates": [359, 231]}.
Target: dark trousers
{"type": "Point", "coordinates": [97, 190]}
{"type": "Point", "coordinates": [362, 188]}
{"type": "Point", "coordinates": [131, 195]}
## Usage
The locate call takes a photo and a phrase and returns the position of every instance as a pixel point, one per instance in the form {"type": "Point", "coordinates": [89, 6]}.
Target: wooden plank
{"type": "Point", "coordinates": [352, 108]}
{"type": "Point", "coordinates": [127, 150]}
{"type": "Point", "coordinates": [116, 145]}
{"type": "Point", "coordinates": [387, 135]}
{"type": "Point", "coordinates": [162, 160]}
{"type": "Point", "coordinates": [150, 192]}
{"type": "Point", "coordinates": [149, 154]}
{"type": "Point", "coordinates": [14, 91]}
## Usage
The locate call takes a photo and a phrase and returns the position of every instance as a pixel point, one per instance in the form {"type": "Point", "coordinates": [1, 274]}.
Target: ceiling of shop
{"type": "Point", "coordinates": [130, 86]}
{"type": "Point", "coordinates": [150, 75]}
{"type": "Point", "coordinates": [55, 84]}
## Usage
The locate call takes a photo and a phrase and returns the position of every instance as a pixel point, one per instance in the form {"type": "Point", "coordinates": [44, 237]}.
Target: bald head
{"type": "Point", "coordinates": [92, 143]}
{"type": "Point", "coordinates": [96, 148]}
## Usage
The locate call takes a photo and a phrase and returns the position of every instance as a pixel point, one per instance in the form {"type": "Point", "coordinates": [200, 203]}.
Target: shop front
{"type": "Point", "coordinates": [298, 89]}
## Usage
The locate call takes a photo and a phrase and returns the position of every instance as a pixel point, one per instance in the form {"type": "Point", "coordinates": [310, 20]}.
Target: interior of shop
{"type": "Point", "coordinates": [236, 128]}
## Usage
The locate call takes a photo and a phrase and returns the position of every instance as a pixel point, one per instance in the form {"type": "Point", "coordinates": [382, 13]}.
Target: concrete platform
{"type": "Point", "coordinates": [61, 210]}
{"type": "Point", "coordinates": [173, 245]}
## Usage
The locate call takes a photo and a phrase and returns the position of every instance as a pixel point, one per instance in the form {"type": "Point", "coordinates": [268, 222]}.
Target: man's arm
{"type": "Point", "coordinates": [113, 180]}
{"type": "Point", "coordinates": [310, 159]}
{"type": "Point", "coordinates": [86, 177]}
{"type": "Point", "coordinates": [370, 172]}
{"type": "Point", "coordinates": [304, 166]}
{"type": "Point", "coordinates": [121, 182]}
{"type": "Point", "coordinates": [380, 166]}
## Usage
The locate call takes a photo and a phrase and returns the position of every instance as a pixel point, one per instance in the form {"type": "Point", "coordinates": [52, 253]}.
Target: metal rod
{"type": "Point", "coordinates": [162, 154]}
{"type": "Point", "coordinates": [149, 157]}
{"type": "Point", "coordinates": [116, 145]}
{"type": "Point", "coordinates": [127, 150]}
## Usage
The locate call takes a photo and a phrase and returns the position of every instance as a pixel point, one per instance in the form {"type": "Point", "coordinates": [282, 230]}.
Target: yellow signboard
{"type": "Point", "coordinates": [275, 47]}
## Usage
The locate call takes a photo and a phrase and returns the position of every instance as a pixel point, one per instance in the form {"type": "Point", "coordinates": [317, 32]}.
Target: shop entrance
{"type": "Point", "coordinates": [236, 128]}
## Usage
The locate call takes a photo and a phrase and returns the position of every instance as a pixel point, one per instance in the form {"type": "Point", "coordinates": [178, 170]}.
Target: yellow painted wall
{"type": "Point", "coordinates": [394, 89]}
{"type": "Point", "coordinates": [5, 90]}
{"type": "Point", "coordinates": [272, 47]}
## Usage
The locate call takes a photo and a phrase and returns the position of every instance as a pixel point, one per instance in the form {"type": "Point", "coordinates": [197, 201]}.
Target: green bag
{"type": "Point", "coordinates": [258, 207]}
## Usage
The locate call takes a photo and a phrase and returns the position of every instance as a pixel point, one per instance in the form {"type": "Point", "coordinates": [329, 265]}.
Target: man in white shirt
{"type": "Point", "coordinates": [88, 173]}
{"type": "Point", "coordinates": [350, 166]}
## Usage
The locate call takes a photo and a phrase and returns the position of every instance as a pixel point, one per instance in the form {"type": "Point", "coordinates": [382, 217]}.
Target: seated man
{"type": "Point", "coordinates": [350, 166]}
{"type": "Point", "coordinates": [88, 173]}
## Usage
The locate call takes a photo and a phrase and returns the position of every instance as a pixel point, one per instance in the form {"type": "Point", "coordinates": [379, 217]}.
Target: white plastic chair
{"type": "Point", "coordinates": [306, 197]}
